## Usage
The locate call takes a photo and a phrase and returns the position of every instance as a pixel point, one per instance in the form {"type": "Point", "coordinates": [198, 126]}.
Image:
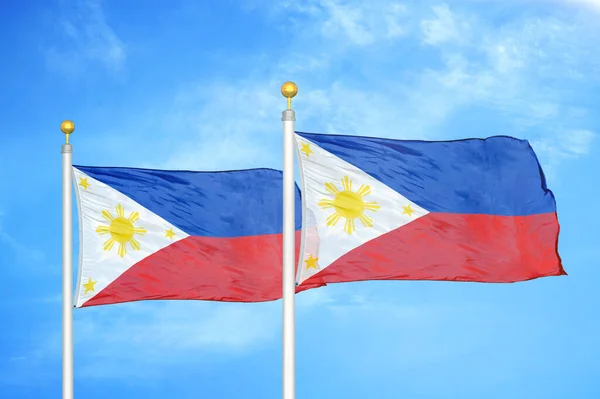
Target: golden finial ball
{"type": "Point", "coordinates": [67, 127]}
{"type": "Point", "coordinates": [289, 89]}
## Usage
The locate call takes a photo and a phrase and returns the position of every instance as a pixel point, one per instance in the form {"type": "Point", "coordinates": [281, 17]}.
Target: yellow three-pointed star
{"type": "Point", "coordinates": [408, 210]}
{"type": "Point", "coordinates": [311, 262]}
{"type": "Point", "coordinates": [169, 233]}
{"type": "Point", "coordinates": [306, 149]}
{"type": "Point", "coordinates": [83, 182]}
{"type": "Point", "coordinates": [89, 286]}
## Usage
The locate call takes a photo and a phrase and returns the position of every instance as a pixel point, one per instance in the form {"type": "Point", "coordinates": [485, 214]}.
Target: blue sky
{"type": "Point", "coordinates": [195, 85]}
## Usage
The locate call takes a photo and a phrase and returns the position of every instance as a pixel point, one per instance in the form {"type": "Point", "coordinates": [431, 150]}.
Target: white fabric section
{"type": "Point", "coordinates": [310, 241]}
{"type": "Point", "coordinates": [329, 243]}
{"type": "Point", "coordinates": [103, 266]}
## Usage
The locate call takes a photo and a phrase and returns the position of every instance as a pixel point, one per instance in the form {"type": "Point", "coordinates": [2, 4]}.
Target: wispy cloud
{"type": "Point", "coordinates": [23, 252]}
{"type": "Point", "coordinates": [140, 340]}
{"type": "Point", "coordinates": [350, 22]}
{"type": "Point", "coordinates": [522, 73]}
{"type": "Point", "coordinates": [185, 331]}
{"type": "Point", "coordinates": [234, 126]}
{"type": "Point", "coordinates": [444, 27]}
{"type": "Point", "coordinates": [87, 39]}
{"type": "Point", "coordinates": [590, 4]}
{"type": "Point", "coordinates": [562, 146]}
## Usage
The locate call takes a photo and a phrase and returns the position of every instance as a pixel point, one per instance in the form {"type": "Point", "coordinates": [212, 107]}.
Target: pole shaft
{"type": "Point", "coordinates": [67, 270]}
{"type": "Point", "coordinates": [289, 255]}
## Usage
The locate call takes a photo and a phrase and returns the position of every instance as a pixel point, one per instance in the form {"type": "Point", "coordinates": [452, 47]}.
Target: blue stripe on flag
{"type": "Point", "coordinates": [216, 204]}
{"type": "Point", "coordinates": [498, 175]}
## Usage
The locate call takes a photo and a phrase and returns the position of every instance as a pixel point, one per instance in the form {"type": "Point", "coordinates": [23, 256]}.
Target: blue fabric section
{"type": "Point", "coordinates": [214, 204]}
{"type": "Point", "coordinates": [496, 176]}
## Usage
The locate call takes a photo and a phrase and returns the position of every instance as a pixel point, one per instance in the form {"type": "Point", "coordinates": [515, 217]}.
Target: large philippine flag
{"type": "Point", "coordinates": [156, 234]}
{"type": "Point", "coordinates": [467, 210]}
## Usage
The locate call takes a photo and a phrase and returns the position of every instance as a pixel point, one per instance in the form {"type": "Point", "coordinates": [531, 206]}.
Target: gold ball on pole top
{"type": "Point", "coordinates": [67, 127]}
{"type": "Point", "coordinates": [289, 90]}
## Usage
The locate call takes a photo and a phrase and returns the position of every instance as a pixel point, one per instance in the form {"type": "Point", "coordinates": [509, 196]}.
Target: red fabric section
{"type": "Point", "coordinates": [454, 247]}
{"type": "Point", "coordinates": [243, 269]}
{"type": "Point", "coordinates": [438, 246]}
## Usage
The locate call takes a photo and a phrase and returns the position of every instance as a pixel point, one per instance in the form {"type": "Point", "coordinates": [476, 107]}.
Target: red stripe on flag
{"type": "Point", "coordinates": [242, 269]}
{"type": "Point", "coordinates": [438, 246]}
{"type": "Point", "coordinates": [454, 247]}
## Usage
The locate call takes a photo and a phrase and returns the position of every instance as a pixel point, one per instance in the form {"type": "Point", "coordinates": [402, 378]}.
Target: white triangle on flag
{"type": "Point", "coordinates": [335, 189]}
{"type": "Point", "coordinates": [100, 225]}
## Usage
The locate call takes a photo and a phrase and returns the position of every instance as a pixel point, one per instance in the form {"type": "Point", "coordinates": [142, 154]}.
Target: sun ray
{"type": "Point", "coordinates": [372, 206]}
{"type": "Point", "coordinates": [364, 190]}
{"type": "Point", "coordinates": [332, 188]}
{"type": "Point", "coordinates": [333, 219]}
{"type": "Point", "coordinates": [349, 205]}
{"type": "Point", "coordinates": [102, 229]}
{"type": "Point", "coordinates": [349, 226]}
{"type": "Point", "coordinates": [122, 230]}
{"type": "Point", "coordinates": [367, 221]}
{"type": "Point", "coordinates": [326, 203]}
{"type": "Point", "coordinates": [122, 249]}
{"type": "Point", "coordinates": [134, 216]}
{"type": "Point", "coordinates": [135, 244]}
{"type": "Point", "coordinates": [108, 216]}
{"type": "Point", "coordinates": [108, 244]}
{"type": "Point", "coordinates": [347, 183]}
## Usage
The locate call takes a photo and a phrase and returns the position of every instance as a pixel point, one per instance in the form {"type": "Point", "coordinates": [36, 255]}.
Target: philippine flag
{"type": "Point", "coordinates": [467, 210]}
{"type": "Point", "coordinates": [156, 234]}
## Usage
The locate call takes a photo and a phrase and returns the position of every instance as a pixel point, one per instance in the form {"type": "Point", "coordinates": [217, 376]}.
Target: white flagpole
{"type": "Point", "coordinates": [67, 127]}
{"type": "Point", "coordinates": [289, 90]}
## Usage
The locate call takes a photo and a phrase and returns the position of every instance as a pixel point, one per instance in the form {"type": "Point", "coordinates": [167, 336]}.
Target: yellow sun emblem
{"type": "Point", "coordinates": [349, 205]}
{"type": "Point", "coordinates": [121, 230]}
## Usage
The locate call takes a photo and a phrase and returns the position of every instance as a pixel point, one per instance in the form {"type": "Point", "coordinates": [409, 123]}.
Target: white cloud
{"type": "Point", "coordinates": [406, 334]}
{"type": "Point", "coordinates": [140, 340]}
{"type": "Point", "coordinates": [346, 20]}
{"type": "Point", "coordinates": [356, 23]}
{"type": "Point", "coordinates": [236, 126]}
{"type": "Point", "coordinates": [314, 299]}
{"type": "Point", "coordinates": [446, 27]}
{"type": "Point", "coordinates": [562, 145]}
{"type": "Point", "coordinates": [520, 72]}
{"type": "Point", "coordinates": [559, 146]}
{"type": "Point", "coordinates": [24, 253]}
{"type": "Point", "coordinates": [87, 39]}
{"type": "Point", "coordinates": [216, 125]}
{"type": "Point", "coordinates": [578, 142]}
{"type": "Point", "coordinates": [176, 326]}
{"type": "Point", "coordinates": [591, 4]}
